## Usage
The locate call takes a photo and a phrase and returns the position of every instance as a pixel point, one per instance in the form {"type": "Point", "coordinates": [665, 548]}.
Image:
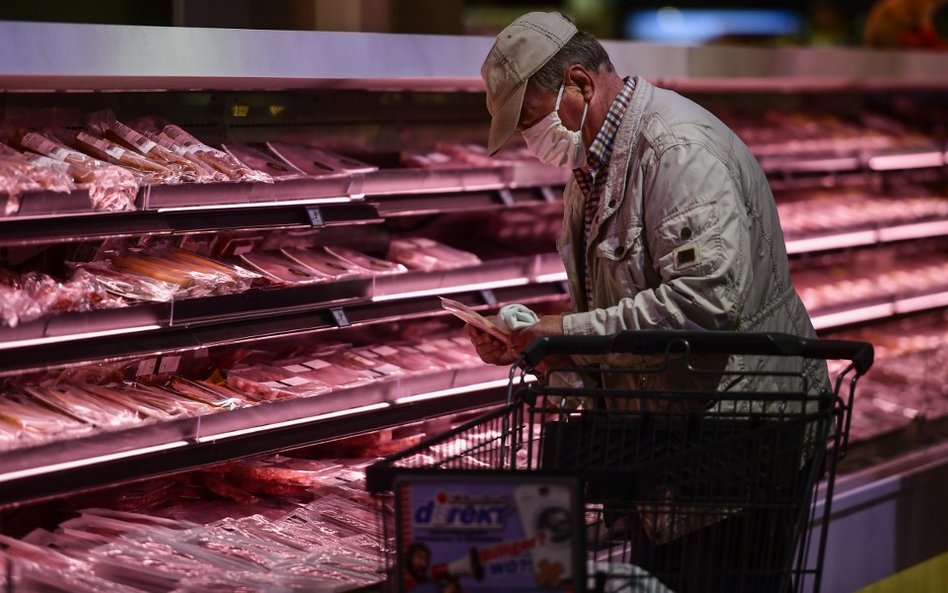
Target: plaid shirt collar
{"type": "Point", "coordinates": [601, 148]}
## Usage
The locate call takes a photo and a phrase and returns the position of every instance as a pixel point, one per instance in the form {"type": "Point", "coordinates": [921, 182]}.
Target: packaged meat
{"type": "Point", "coordinates": [403, 357]}
{"type": "Point", "coordinates": [37, 422]}
{"type": "Point", "coordinates": [242, 276]}
{"type": "Point", "coordinates": [125, 283]}
{"type": "Point", "coordinates": [111, 188]}
{"type": "Point", "coordinates": [25, 297]}
{"type": "Point", "coordinates": [286, 470]}
{"type": "Point", "coordinates": [111, 152]}
{"type": "Point", "coordinates": [121, 397]}
{"type": "Point", "coordinates": [205, 393]}
{"type": "Point", "coordinates": [345, 512]}
{"type": "Point", "coordinates": [41, 568]}
{"type": "Point", "coordinates": [34, 295]}
{"type": "Point", "coordinates": [281, 269]}
{"type": "Point", "coordinates": [471, 154]}
{"type": "Point", "coordinates": [216, 159]}
{"type": "Point", "coordinates": [167, 401]}
{"type": "Point", "coordinates": [322, 370]}
{"type": "Point", "coordinates": [194, 275]}
{"type": "Point", "coordinates": [277, 379]}
{"type": "Point", "coordinates": [20, 173]}
{"type": "Point", "coordinates": [420, 253]}
{"type": "Point", "coordinates": [81, 405]}
{"type": "Point", "coordinates": [428, 160]}
{"type": "Point", "coordinates": [105, 125]}
{"type": "Point", "coordinates": [448, 356]}
{"type": "Point", "coordinates": [373, 265]}
{"type": "Point", "coordinates": [353, 359]}
{"type": "Point", "coordinates": [241, 582]}
{"type": "Point", "coordinates": [315, 161]}
{"type": "Point", "coordinates": [322, 262]}
{"type": "Point", "coordinates": [261, 159]}
{"type": "Point", "coordinates": [147, 565]}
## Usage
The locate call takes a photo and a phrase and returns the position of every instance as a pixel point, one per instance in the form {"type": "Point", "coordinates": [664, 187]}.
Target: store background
{"type": "Point", "coordinates": [808, 23]}
{"type": "Point", "coordinates": [823, 24]}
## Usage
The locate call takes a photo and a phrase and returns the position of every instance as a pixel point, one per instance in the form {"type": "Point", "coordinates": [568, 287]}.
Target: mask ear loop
{"type": "Point", "coordinates": [559, 97]}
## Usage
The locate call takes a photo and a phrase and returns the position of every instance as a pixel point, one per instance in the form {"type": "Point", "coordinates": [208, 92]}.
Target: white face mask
{"type": "Point", "coordinates": [551, 142]}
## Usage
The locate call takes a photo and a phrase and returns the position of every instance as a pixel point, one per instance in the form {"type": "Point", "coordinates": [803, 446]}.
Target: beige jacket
{"type": "Point", "coordinates": [686, 237]}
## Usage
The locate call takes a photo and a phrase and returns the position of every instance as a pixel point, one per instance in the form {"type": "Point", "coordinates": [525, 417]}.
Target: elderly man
{"type": "Point", "coordinates": [669, 223]}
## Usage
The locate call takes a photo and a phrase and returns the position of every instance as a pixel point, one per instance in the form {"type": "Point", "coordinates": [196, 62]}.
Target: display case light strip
{"type": "Point", "coordinates": [80, 336]}
{"type": "Point", "coordinates": [832, 242]}
{"type": "Point", "coordinates": [452, 391]}
{"type": "Point", "coordinates": [554, 277]}
{"type": "Point", "coordinates": [288, 423]}
{"type": "Point", "coordinates": [920, 303]}
{"type": "Point", "coordinates": [451, 289]}
{"type": "Point", "coordinates": [935, 228]}
{"type": "Point", "coordinates": [916, 160]}
{"type": "Point", "coordinates": [87, 461]}
{"type": "Point", "coordinates": [232, 206]}
{"type": "Point", "coordinates": [853, 316]}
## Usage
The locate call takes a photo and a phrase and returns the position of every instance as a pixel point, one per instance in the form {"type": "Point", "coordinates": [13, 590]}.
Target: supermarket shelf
{"type": "Point", "coordinates": [478, 201]}
{"type": "Point", "coordinates": [105, 459]}
{"type": "Point", "coordinates": [880, 160]}
{"type": "Point", "coordinates": [101, 225]}
{"type": "Point", "coordinates": [42, 56]}
{"type": "Point", "coordinates": [844, 238]}
{"type": "Point", "coordinates": [154, 197]}
{"type": "Point", "coordinates": [876, 310]}
{"type": "Point", "coordinates": [215, 321]}
{"type": "Point", "coordinates": [490, 275]}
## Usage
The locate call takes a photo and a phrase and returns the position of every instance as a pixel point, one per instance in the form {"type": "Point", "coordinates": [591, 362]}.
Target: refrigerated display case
{"type": "Point", "coordinates": [374, 139]}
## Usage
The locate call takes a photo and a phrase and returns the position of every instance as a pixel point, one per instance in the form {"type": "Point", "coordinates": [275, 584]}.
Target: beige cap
{"type": "Point", "coordinates": [519, 51]}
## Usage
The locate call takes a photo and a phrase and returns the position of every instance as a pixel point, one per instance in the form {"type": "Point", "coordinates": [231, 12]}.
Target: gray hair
{"type": "Point", "coordinates": [581, 49]}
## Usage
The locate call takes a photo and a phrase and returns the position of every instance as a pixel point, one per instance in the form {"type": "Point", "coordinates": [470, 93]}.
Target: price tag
{"type": "Point", "coordinates": [168, 364]}
{"type": "Point", "coordinates": [340, 317]}
{"type": "Point", "coordinates": [489, 297]}
{"type": "Point", "coordinates": [146, 367]}
{"type": "Point", "coordinates": [296, 368]}
{"type": "Point", "coordinates": [315, 216]}
{"type": "Point", "coordinates": [294, 381]}
{"type": "Point", "coordinates": [384, 350]}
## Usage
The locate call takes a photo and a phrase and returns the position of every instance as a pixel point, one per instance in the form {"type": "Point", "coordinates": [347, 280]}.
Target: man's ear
{"type": "Point", "coordinates": [578, 76]}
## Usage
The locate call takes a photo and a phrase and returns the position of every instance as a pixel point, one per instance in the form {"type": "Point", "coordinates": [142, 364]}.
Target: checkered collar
{"type": "Point", "coordinates": [601, 148]}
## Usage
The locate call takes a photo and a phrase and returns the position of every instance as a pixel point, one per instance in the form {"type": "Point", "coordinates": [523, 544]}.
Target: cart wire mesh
{"type": "Point", "coordinates": [684, 490]}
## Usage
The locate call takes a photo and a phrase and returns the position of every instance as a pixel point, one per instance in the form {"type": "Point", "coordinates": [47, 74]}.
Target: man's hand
{"type": "Point", "coordinates": [490, 349]}
{"type": "Point", "coordinates": [549, 325]}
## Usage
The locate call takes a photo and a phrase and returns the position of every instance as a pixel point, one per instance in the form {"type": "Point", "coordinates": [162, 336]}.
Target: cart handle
{"type": "Point", "coordinates": [660, 341]}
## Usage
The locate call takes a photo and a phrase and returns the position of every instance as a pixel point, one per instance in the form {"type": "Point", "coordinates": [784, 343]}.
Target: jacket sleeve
{"type": "Point", "coordinates": [696, 230]}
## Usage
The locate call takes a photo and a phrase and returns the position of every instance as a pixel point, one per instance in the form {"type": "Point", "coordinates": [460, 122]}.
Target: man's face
{"type": "Point", "coordinates": [538, 104]}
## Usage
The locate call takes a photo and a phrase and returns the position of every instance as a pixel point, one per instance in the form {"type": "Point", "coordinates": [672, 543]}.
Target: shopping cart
{"type": "Point", "coordinates": [682, 489]}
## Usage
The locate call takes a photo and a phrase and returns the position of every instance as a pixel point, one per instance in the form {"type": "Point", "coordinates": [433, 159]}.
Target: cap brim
{"type": "Point", "coordinates": [504, 122]}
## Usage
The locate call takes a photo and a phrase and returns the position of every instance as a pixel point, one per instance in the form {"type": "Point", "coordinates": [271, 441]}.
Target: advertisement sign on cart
{"type": "Point", "coordinates": [509, 532]}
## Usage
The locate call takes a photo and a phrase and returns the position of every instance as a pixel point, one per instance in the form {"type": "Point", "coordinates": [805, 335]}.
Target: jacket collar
{"type": "Point", "coordinates": [614, 193]}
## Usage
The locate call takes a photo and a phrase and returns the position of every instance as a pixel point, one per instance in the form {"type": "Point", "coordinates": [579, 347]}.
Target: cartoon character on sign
{"type": "Point", "coordinates": [441, 577]}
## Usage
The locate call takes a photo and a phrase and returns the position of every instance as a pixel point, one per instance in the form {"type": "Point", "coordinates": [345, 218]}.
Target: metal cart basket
{"type": "Point", "coordinates": [694, 476]}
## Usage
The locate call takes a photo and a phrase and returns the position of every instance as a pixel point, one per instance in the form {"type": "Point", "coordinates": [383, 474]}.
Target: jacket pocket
{"type": "Point", "coordinates": [621, 259]}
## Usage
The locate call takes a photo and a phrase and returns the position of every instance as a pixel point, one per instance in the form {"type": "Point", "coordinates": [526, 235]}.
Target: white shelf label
{"type": "Point", "coordinates": [146, 367]}
{"type": "Point", "coordinates": [168, 364]}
